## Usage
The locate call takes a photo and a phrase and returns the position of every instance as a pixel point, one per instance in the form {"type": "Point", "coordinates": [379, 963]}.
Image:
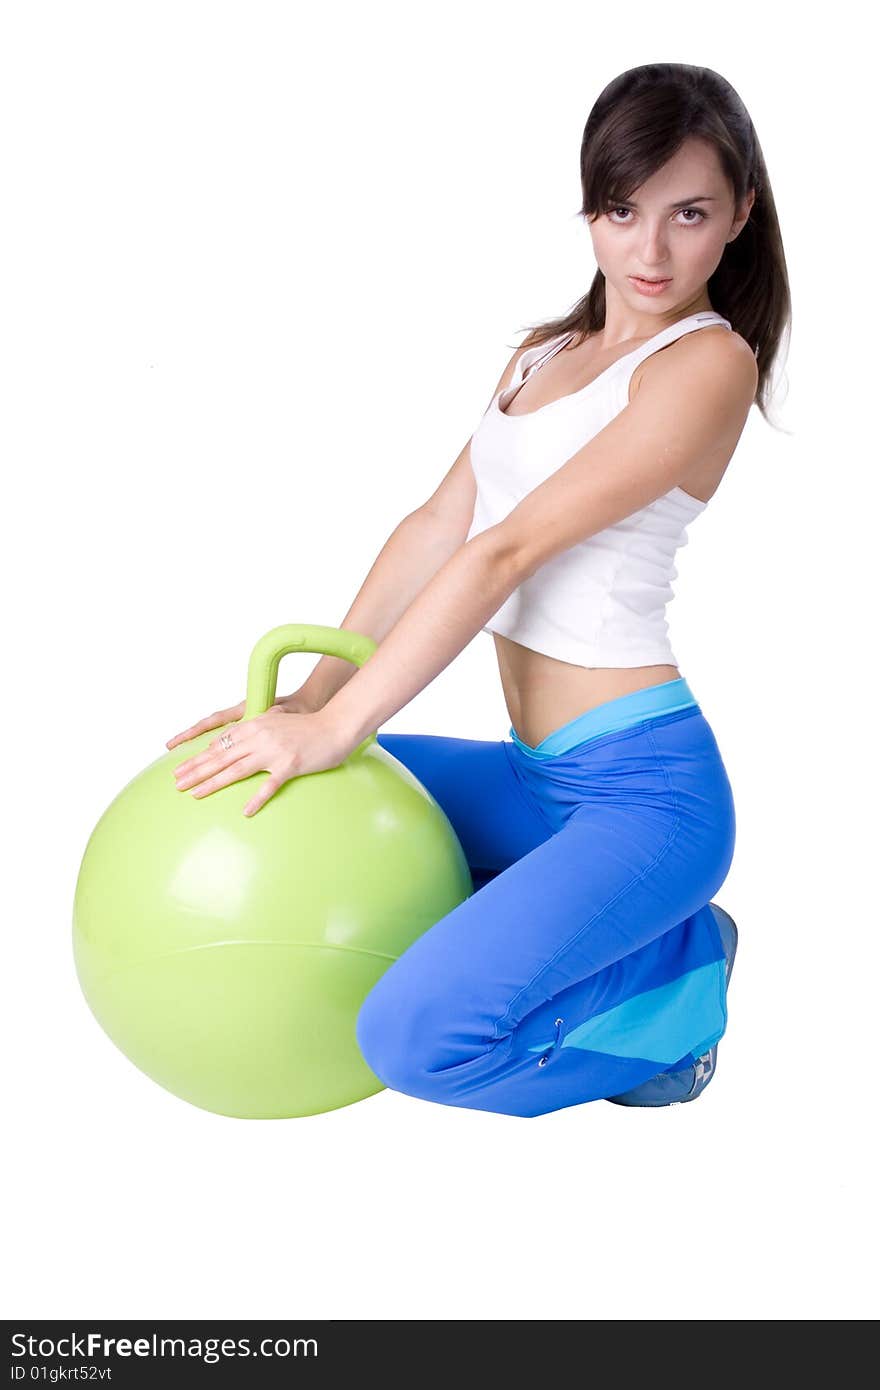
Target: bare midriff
{"type": "Point", "coordinates": [541, 692]}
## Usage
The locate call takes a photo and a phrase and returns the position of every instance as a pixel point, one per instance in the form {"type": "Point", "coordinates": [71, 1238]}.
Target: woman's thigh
{"type": "Point", "coordinates": [473, 782]}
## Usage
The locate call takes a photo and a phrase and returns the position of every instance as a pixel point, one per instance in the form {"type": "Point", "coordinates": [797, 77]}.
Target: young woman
{"type": "Point", "coordinates": [589, 963]}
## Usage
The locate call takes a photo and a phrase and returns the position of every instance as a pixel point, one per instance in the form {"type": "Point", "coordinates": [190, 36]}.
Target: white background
{"type": "Point", "coordinates": [264, 265]}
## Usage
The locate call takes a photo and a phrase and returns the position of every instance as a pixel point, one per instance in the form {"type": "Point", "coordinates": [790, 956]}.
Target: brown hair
{"type": "Point", "coordinates": [636, 125]}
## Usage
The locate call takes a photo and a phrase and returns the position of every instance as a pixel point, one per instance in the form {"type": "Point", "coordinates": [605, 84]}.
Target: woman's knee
{"type": "Point", "coordinates": [413, 1037]}
{"type": "Point", "coordinates": [388, 1034]}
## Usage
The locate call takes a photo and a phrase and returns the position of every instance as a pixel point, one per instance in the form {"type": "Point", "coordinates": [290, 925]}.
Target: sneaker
{"type": "Point", "coordinates": [676, 1087]}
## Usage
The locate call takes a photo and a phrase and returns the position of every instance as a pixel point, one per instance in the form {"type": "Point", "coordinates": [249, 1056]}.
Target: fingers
{"type": "Point", "coordinates": [214, 757]}
{"type": "Point", "coordinates": [184, 737]}
{"type": "Point", "coordinates": [231, 772]}
{"type": "Point", "coordinates": [211, 721]}
{"type": "Point", "coordinates": [267, 790]}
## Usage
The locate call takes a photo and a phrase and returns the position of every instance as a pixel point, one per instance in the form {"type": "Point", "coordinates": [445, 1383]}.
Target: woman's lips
{"type": "Point", "coordinates": [649, 287]}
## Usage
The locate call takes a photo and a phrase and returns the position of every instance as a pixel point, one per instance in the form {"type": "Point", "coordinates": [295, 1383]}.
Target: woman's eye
{"type": "Point", "coordinates": [690, 222]}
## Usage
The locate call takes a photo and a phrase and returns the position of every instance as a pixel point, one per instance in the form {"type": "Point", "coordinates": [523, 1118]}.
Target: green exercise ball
{"type": "Point", "coordinates": [227, 956]}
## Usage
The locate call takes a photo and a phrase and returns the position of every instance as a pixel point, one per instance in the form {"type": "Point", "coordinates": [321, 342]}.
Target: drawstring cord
{"type": "Point", "coordinates": [555, 1044]}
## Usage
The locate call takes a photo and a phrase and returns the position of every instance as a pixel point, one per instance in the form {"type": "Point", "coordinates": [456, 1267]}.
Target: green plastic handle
{"type": "Point", "coordinates": [266, 656]}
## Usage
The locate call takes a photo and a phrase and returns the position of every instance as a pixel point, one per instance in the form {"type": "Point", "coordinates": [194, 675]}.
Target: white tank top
{"type": "Point", "coordinates": [603, 601]}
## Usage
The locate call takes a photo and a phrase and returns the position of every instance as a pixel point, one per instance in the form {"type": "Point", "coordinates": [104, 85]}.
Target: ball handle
{"type": "Point", "coordinates": [262, 678]}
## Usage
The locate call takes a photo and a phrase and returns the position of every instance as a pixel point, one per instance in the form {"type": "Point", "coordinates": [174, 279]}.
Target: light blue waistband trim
{"type": "Point", "coordinates": [613, 714]}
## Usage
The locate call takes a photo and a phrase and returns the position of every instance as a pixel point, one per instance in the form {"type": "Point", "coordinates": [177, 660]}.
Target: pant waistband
{"type": "Point", "coordinates": [613, 714]}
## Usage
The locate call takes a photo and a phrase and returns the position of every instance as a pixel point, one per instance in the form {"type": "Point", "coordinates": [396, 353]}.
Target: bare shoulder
{"type": "Point", "coordinates": [725, 350]}
{"type": "Point", "coordinates": [733, 349]}
{"type": "Point", "coordinates": [711, 354]}
{"type": "Point", "coordinates": [710, 377]}
{"type": "Point", "coordinates": [735, 363]}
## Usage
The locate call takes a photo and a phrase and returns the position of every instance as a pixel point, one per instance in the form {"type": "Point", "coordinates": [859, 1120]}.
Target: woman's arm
{"type": "Point", "coordinates": [437, 625]}
{"type": "Point", "coordinates": [416, 549]}
{"type": "Point", "coordinates": [412, 555]}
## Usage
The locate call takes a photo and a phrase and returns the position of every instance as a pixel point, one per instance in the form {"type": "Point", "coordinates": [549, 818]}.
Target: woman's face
{"type": "Point", "coordinates": [649, 236]}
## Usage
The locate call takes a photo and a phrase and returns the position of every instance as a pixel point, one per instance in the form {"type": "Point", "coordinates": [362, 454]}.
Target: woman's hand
{"type": "Point", "coordinates": [297, 703]}
{"type": "Point", "coordinates": [280, 742]}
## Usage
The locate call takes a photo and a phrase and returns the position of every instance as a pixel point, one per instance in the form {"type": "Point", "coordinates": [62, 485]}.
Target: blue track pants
{"type": "Point", "coordinates": [587, 959]}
